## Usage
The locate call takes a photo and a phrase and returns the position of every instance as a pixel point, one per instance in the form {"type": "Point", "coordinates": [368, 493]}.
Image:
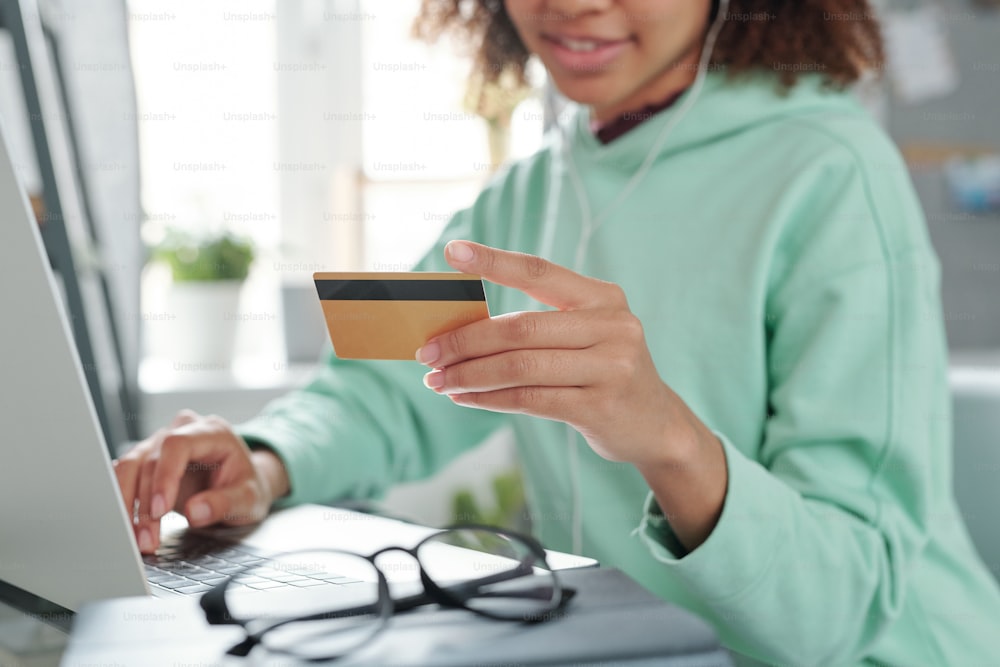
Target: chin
{"type": "Point", "coordinates": [589, 93]}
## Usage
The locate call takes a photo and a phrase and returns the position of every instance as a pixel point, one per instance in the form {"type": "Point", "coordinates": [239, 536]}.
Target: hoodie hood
{"type": "Point", "coordinates": [724, 107]}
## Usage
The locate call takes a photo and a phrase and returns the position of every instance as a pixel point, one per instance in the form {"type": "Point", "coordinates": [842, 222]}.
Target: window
{"type": "Point", "coordinates": [425, 154]}
{"type": "Point", "coordinates": [240, 110]}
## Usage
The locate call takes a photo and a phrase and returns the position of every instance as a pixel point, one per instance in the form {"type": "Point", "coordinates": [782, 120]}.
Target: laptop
{"type": "Point", "coordinates": [65, 534]}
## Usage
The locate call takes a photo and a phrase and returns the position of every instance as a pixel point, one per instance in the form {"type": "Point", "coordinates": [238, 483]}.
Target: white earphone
{"type": "Point", "coordinates": [590, 222]}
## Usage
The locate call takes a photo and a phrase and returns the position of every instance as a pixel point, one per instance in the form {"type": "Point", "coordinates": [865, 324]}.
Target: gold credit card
{"type": "Point", "coordinates": [391, 315]}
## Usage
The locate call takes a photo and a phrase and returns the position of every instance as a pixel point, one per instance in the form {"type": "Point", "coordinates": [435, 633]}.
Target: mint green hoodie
{"type": "Point", "coordinates": [777, 257]}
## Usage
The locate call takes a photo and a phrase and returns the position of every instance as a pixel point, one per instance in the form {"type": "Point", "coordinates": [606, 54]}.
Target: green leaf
{"type": "Point", "coordinates": [508, 510]}
{"type": "Point", "coordinates": [221, 257]}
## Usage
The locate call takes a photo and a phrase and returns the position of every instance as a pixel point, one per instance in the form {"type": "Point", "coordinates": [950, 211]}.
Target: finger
{"type": "Point", "coordinates": [538, 278]}
{"type": "Point", "coordinates": [127, 474]}
{"type": "Point", "coordinates": [128, 471]}
{"type": "Point", "coordinates": [558, 403]}
{"type": "Point", "coordinates": [190, 444]}
{"type": "Point", "coordinates": [174, 457]}
{"type": "Point", "coordinates": [535, 330]}
{"type": "Point", "coordinates": [518, 368]}
{"type": "Point", "coordinates": [184, 417]}
{"type": "Point", "coordinates": [147, 529]}
{"type": "Point", "coordinates": [234, 505]}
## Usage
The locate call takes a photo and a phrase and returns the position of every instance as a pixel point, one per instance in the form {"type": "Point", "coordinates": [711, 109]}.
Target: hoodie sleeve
{"type": "Point", "coordinates": [808, 562]}
{"type": "Point", "coordinates": [360, 426]}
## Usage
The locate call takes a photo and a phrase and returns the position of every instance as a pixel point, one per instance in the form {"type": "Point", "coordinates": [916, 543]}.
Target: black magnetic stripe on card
{"type": "Point", "coordinates": [401, 290]}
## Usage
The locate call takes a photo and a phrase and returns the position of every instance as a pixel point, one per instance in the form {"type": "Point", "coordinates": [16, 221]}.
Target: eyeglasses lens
{"type": "Point", "coordinates": [340, 591]}
{"type": "Point", "coordinates": [496, 574]}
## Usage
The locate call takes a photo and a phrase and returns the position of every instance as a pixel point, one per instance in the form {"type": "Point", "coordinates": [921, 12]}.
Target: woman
{"type": "Point", "coordinates": [760, 431]}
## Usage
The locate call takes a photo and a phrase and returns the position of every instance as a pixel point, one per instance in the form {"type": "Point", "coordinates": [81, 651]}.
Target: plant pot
{"type": "Point", "coordinates": [204, 332]}
{"type": "Point", "coordinates": [305, 328]}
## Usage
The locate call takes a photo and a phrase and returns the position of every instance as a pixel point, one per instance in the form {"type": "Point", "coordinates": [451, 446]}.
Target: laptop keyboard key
{"type": "Point", "coordinates": [213, 582]}
{"type": "Point", "coordinates": [207, 562]}
{"type": "Point", "coordinates": [191, 590]}
{"type": "Point", "coordinates": [288, 578]}
{"type": "Point", "coordinates": [186, 569]}
{"type": "Point", "coordinates": [308, 583]}
{"type": "Point", "coordinates": [204, 575]}
{"type": "Point", "coordinates": [245, 559]}
{"type": "Point", "coordinates": [268, 572]}
{"type": "Point", "coordinates": [265, 585]}
{"type": "Point", "coordinates": [167, 566]}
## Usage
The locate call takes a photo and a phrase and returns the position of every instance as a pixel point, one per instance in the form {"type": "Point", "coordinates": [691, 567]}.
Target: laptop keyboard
{"type": "Point", "coordinates": [188, 570]}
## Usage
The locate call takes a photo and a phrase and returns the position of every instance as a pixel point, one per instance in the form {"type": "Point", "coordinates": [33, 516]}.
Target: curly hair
{"type": "Point", "coordinates": [838, 39]}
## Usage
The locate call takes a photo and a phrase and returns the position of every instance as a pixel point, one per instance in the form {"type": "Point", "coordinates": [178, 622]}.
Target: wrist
{"type": "Point", "coordinates": [688, 477]}
{"type": "Point", "coordinates": [272, 471]}
{"type": "Point", "coordinates": [677, 439]}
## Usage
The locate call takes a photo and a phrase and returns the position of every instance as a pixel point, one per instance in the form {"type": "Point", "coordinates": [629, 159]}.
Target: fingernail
{"type": "Point", "coordinates": [460, 252]}
{"type": "Point", "coordinates": [429, 353]}
{"type": "Point", "coordinates": [434, 380]}
{"type": "Point", "coordinates": [200, 513]}
{"type": "Point", "coordinates": [159, 506]}
{"type": "Point", "coordinates": [145, 541]}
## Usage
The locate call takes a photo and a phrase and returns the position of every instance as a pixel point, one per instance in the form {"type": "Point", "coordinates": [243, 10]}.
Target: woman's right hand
{"type": "Point", "coordinates": [201, 468]}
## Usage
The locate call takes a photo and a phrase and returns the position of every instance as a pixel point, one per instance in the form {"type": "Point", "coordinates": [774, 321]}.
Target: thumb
{"type": "Point", "coordinates": [539, 278]}
{"type": "Point", "coordinates": [232, 505]}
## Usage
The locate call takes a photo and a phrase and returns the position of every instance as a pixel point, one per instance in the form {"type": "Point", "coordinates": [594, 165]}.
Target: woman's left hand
{"type": "Point", "coordinates": [586, 364]}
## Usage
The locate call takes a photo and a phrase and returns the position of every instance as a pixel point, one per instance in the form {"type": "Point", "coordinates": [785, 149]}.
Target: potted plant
{"type": "Point", "coordinates": [208, 274]}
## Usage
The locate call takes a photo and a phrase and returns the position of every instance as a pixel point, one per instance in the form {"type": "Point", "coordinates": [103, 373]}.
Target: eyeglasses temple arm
{"type": "Point", "coordinates": [463, 591]}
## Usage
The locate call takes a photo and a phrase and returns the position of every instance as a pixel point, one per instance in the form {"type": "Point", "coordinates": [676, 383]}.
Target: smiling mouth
{"type": "Point", "coordinates": [581, 45]}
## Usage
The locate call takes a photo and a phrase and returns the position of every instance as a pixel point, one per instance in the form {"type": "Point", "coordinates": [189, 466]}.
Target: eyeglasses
{"type": "Point", "coordinates": [341, 600]}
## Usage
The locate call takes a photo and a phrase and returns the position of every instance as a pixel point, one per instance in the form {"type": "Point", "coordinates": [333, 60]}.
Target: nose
{"type": "Point", "coordinates": [574, 8]}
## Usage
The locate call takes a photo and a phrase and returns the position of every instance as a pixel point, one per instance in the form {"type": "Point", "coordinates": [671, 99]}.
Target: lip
{"type": "Point", "coordinates": [594, 61]}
